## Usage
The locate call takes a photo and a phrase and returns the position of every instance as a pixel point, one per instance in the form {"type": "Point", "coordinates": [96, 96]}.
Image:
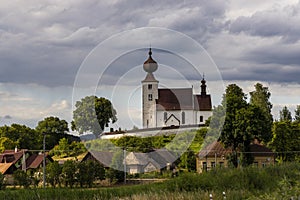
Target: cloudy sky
{"type": "Point", "coordinates": [44, 46]}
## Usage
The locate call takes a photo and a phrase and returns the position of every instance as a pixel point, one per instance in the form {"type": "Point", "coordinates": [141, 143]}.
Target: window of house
{"type": "Point", "coordinates": [221, 164]}
{"type": "Point", "coordinates": [201, 118]}
{"type": "Point", "coordinates": [183, 117]}
{"type": "Point", "coordinates": [165, 116]}
{"type": "Point", "coordinates": [255, 164]}
{"type": "Point", "coordinates": [213, 164]}
{"type": "Point", "coordinates": [150, 97]}
{"type": "Point", "coordinates": [149, 86]}
{"type": "Point", "coordinates": [204, 166]}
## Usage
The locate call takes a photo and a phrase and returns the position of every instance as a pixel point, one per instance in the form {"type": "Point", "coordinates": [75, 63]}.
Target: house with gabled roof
{"type": "Point", "coordinates": [12, 160]}
{"type": "Point", "coordinates": [148, 162]}
{"type": "Point", "coordinates": [216, 155]}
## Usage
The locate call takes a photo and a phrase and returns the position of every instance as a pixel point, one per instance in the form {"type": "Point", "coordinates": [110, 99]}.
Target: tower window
{"type": "Point", "coordinates": [150, 87]}
{"type": "Point", "coordinates": [183, 117]}
{"type": "Point", "coordinates": [201, 118]}
{"type": "Point", "coordinates": [149, 97]}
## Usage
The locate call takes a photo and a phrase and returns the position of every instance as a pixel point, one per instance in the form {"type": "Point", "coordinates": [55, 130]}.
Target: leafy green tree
{"type": "Point", "coordinates": [6, 143]}
{"type": "Point", "coordinates": [21, 178]}
{"type": "Point", "coordinates": [261, 99]}
{"type": "Point", "coordinates": [285, 114]}
{"type": "Point", "coordinates": [115, 173]}
{"type": "Point", "coordinates": [88, 172]}
{"type": "Point", "coordinates": [297, 114]}
{"type": "Point", "coordinates": [234, 99]}
{"type": "Point", "coordinates": [281, 139]}
{"type": "Point", "coordinates": [54, 128]}
{"type": "Point", "coordinates": [93, 114]}
{"type": "Point", "coordinates": [188, 160]}
{"type": "Point", "coordinates": [53, 170]}
{"type": "Point", "coordinates": [25, 137]}
{"type": "Point", "coordinates": [69, 173]}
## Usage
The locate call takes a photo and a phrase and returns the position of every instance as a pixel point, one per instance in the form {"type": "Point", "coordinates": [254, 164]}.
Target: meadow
{"type": "Point", "coordinates": [274, 182]}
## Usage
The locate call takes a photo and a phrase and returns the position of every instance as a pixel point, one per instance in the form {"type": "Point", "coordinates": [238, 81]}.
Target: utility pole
{"type": "Point", "coordinates": [124, 151]}
{"type": "Point", "coordinates": [44, 160]}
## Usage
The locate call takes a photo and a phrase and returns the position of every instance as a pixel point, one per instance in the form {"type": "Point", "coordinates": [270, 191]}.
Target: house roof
{"type": "Point", "coordinates": [4, 167]}
{"type": "Point", "coordinates": [35, 160]}
{"type": "Point", "coordinates": [210, 150]}
{"type": "Point", "coordinates": [10, 156]}
{"type": "Point", "coordinates": [104, 157]}
{"type": "Point", "coordinates": [182, 99]}
{"type": "Point", "coordinates": [159, 158]}
{"type": "Point", "coordinates": [260, 150]}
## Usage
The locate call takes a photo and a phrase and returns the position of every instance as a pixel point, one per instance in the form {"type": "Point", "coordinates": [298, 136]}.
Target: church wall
{"type": "Point", "coordinates": [205, 114]}
{"type": "Point", "coordinates": [189, 117]}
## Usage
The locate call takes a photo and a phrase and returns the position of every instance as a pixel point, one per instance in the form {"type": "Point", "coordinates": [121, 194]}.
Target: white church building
{"type": "Point", "coordinates": [173, 106]}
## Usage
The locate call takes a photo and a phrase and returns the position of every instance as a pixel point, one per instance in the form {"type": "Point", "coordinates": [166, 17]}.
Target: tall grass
{"type": "Point", "coordinates": [245, 183]}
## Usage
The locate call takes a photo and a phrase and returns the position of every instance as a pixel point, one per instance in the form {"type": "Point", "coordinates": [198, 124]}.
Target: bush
{"type": "Point", "coordinates": [21, 178]}
{"type": "Point", "coordinates": [1, 181]}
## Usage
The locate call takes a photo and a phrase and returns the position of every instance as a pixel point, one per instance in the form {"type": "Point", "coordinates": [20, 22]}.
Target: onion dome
{"type": "Point", "coordinates": [150, 65]}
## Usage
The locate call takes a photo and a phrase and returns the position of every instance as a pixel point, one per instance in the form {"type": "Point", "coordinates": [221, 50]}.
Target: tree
{"type": "Point", "coordinates": [260, 98]}
{"type": "Point", "coordinates": [53, 173]}
{"type": "Point", "coordinates": [54, 128]}
{"type": "Point", "coordinates": [22, 178]}
{"type": "Point", "coordinates": [297, 114]}
{"type": "Point", "coordinates": [6, 143]}
{"type": "Point", "coordinates": [69, 173]}
{"type": "Point", "coordinates": [233, 100]}
{"type": "Point", "coordinates": [25, 137]}
{"type": "Point", "coordinates": [2, 185]}
{"type": "Point", "coordinates": [188, 160]}
{"type": "Point", "coordinates": [93, 114]}
{"type": "Point", "coordinates": [285, 115]}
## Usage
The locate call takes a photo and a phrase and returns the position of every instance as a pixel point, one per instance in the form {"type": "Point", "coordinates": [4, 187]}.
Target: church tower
{"type": "Point", "coordinates": [149, 93]}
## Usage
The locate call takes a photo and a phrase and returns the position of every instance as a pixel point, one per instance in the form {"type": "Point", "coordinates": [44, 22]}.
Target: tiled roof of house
{"type": "Point", "coordinates": [159, 158]}
{"type": "Point", "coordinates": [4, 167]}
{"type": "Point", "coordinates": [212, 149]}
{"type": "Point", "coordinates": [35, 160]}
{"type": "Point", "coordinates": [182, 99]}
{"type": "Point", "coordinates": [10, 156]}
{"type": "Point", "coordinates": [104, 157]}
{"type": "Point", "coordinates": [260, 150]}
{"type": "Point", "coordinates": [217, 148]}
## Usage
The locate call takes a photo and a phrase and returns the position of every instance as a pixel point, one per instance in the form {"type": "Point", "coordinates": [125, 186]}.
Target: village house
{"type": "Point", "coordinates": [12, 160]}
{"type": "Point", "coordinates": [148, 162]}
{"type": "Point", "coordinates": [215, 155]}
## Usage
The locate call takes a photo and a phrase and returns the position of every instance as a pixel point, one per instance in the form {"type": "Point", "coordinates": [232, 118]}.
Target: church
{"type": "Point", "coordinates": [163, 107]}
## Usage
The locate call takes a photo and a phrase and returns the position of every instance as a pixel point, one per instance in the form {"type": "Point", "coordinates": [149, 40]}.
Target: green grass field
{"type": "Point", "coordinates": [275, 182]}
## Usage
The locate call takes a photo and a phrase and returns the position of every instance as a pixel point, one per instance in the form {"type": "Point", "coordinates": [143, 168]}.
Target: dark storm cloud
{"type": "Point", "coordinates": [275, 22]}
{"type": "Point", "coordinates": [46, 43]}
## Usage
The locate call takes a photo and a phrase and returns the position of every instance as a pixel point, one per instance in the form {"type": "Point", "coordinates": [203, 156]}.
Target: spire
{"type": "Point", "coordinates": [203, 86]}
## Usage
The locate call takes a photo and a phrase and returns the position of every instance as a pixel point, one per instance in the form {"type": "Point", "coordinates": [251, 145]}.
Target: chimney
{"type": "Point", "coordinates": [16, 149]}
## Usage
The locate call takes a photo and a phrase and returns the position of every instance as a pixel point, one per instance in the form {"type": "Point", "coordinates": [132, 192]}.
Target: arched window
{"type": "Point", "coordinates": [149, 97]}
{"type": "Point", "coordinates": [165, 116]}
{"type": "Point", "coordinates": [183, 117]}
{"type": "Point", "coordinates": [201, 118]}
